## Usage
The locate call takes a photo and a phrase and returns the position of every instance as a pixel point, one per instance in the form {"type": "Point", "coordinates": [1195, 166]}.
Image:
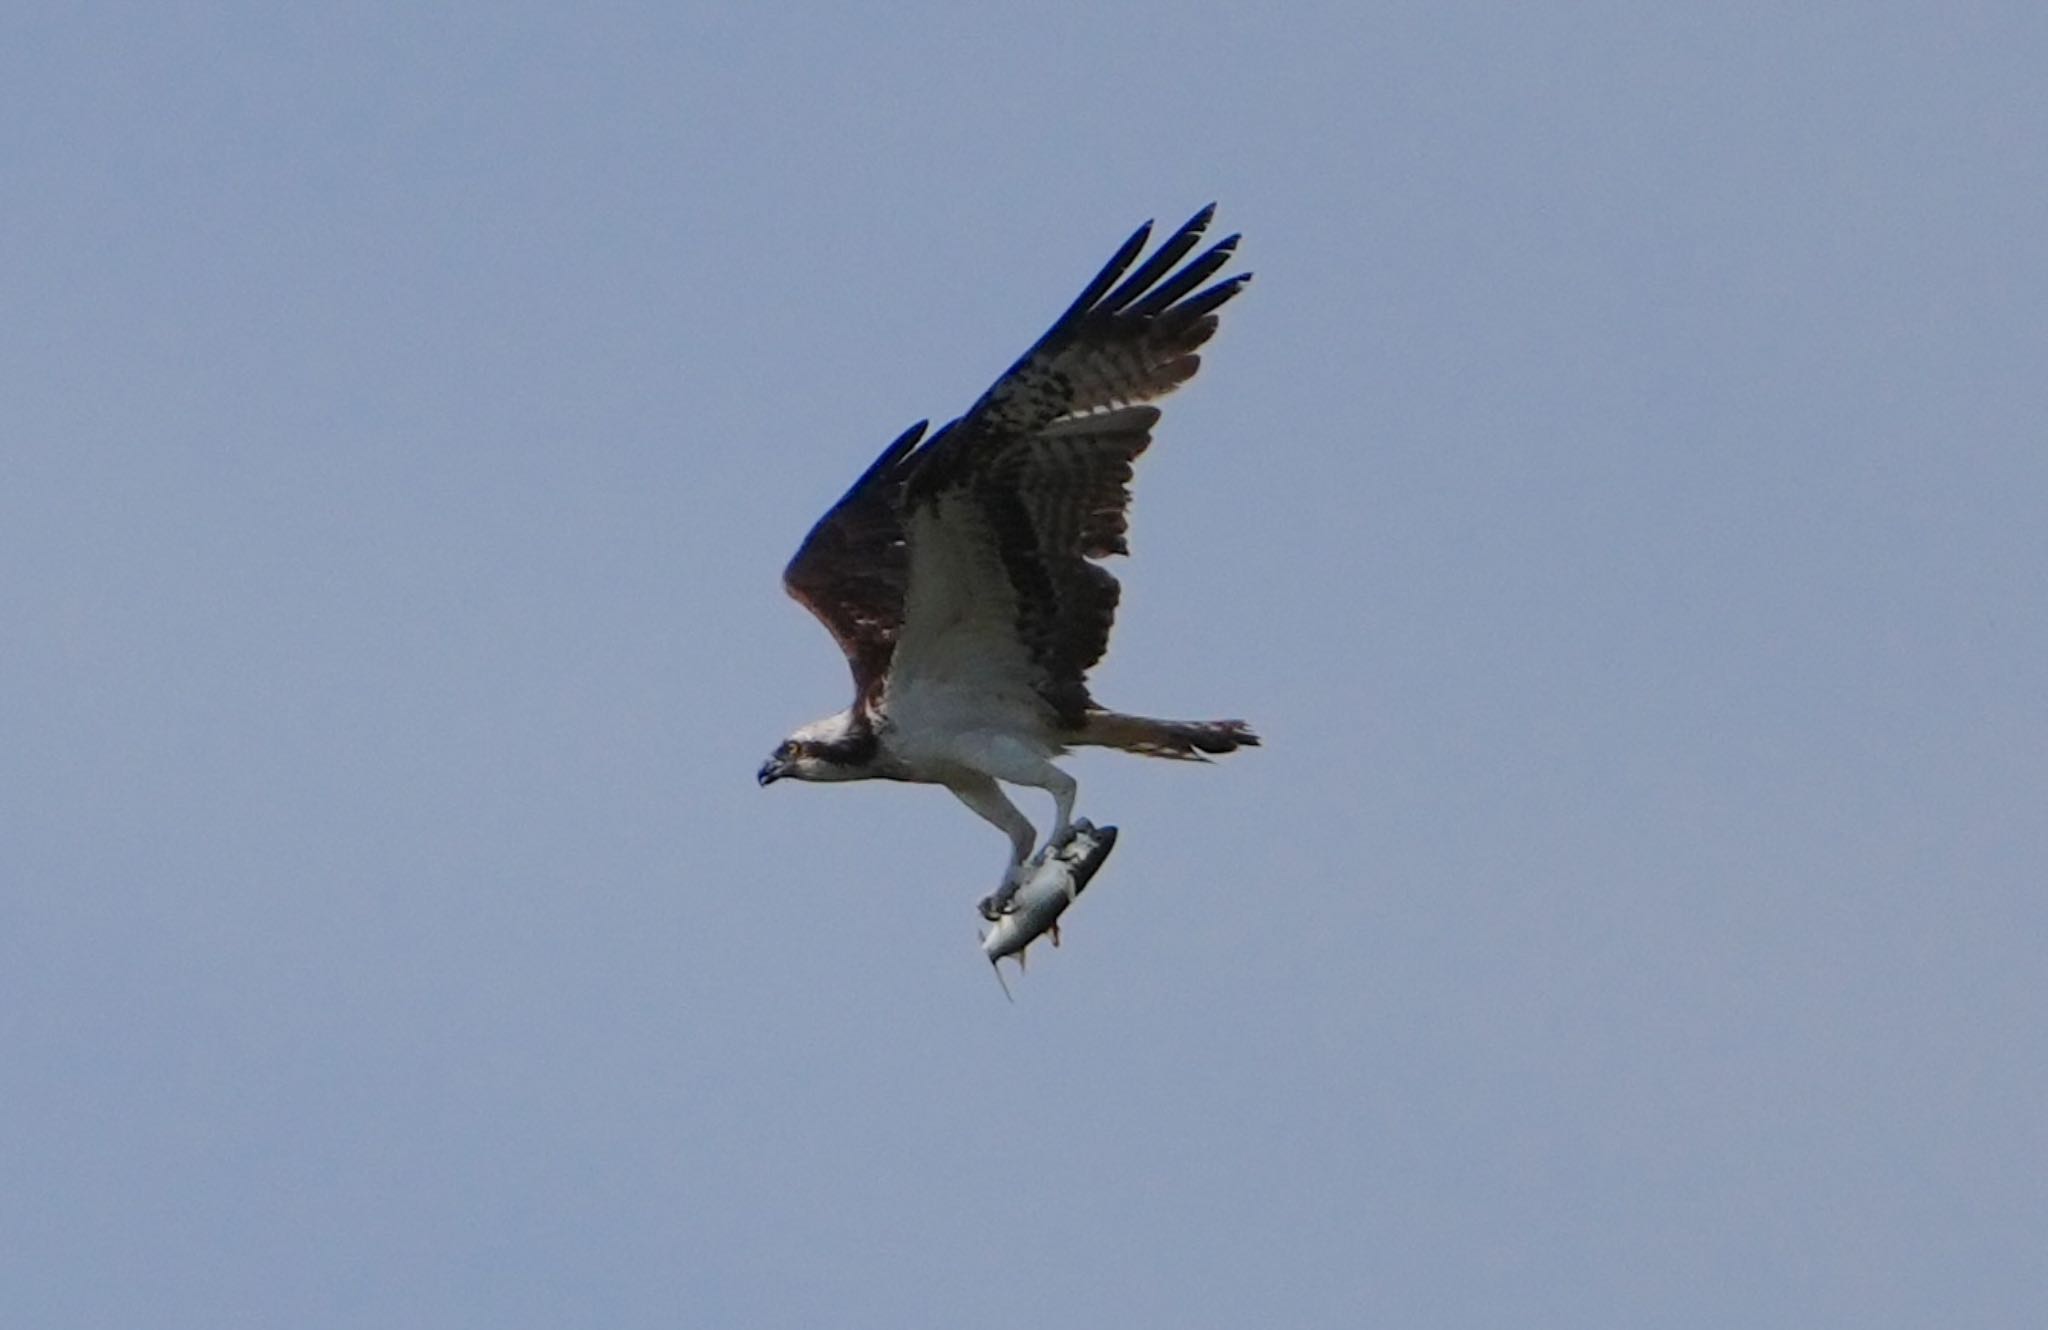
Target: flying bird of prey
{"type": "Point", "coordinates": [960, 575]}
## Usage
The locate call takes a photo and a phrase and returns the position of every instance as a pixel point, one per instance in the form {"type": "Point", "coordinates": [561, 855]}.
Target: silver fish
{"type": "Point", "coordinates": [1058, 875]}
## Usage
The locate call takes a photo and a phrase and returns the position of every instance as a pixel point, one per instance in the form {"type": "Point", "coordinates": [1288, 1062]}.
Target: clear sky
{"type": "Point", "coordinates": [1619, 501]}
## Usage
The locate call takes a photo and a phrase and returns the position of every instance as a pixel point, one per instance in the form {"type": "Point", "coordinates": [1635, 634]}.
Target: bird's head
{"type": "Point", "coordinates": [836, 748]}
{"type": "Point", "coordinates": [786, 760]}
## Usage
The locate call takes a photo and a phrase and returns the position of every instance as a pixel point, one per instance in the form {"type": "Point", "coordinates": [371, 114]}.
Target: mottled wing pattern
{"type": "Point", "coordinates": [1113, 347]}
{"type": "Point", "coordinates": [853, 568]}
{"type": "Point", "coordinates": [1055, 503]}
{"type": "Point", "coordinates": [1045, 456]}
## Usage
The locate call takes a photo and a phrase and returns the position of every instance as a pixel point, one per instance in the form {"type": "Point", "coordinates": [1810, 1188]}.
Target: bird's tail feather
{"type": "Point", "coordinates": [1188, 740]}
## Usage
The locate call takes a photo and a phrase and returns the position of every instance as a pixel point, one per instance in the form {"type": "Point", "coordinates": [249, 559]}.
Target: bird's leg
{"type": "Point", "coordinates": [1005, 758]}
{"type": "Point", "coordinates": [986, 798]}
{"type": "Point", "coordinates": [1063, 790]}
{"type": "Point", "coordinates": [1062, 787]}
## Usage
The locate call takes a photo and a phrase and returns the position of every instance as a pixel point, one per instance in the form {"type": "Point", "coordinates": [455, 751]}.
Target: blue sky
{"type": "Point", "coordinates": [1618, 501]}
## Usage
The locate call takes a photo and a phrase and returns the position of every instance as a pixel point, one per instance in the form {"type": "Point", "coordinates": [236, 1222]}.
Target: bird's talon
{"type": "Point", "coordinates": [1003, 900]}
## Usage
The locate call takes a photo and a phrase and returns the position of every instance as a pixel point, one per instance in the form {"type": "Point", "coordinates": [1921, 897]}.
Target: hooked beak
{"type": "Point", "coordinates": [771, 771]}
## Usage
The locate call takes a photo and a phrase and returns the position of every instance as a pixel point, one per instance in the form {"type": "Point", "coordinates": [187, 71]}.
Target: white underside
{"type": "Point", "coordinates": [962, 707]}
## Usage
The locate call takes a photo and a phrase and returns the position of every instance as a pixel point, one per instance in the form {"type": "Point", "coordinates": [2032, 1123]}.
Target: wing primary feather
{"type": "Point", "coordinates": [1105, 279]}
{"type": "Point", "coordinates": [1203, 303]}
{"type": "Point", "coordinates": [1162, 260]}
{"type": "Point", "coordinates": [1160, 299]}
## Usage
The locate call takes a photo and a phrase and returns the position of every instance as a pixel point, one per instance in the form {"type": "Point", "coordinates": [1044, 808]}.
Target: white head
{"type": "Point", "coordinates": [839, 747]}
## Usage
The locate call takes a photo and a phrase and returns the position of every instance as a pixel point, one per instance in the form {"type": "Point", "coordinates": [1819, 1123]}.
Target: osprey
{"type": "Point", "coordinates": [959, 573]}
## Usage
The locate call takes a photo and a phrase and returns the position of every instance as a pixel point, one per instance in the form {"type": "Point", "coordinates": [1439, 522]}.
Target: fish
{"type": "Point", "coordinates": [1058, 874]}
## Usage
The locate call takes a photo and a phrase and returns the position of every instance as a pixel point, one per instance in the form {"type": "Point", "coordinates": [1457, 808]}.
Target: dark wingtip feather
{"type": "Point", "coordinates": [1118, 264]}
{"type": "Point", "coordinates": [1206, 302]}
{"type": "Point", "coordinates": [1161, 298]}
{"type": "Point", "coordinates": [1160, 264]}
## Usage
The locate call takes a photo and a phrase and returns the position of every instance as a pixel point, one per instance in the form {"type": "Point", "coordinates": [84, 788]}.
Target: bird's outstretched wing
{"type": "Point", "coordinates": [1009, 508]}
{"type": "Point", "coordinates": [971, 554]}
{"type": "Point", "coordinates": [1112, 347]}
{"type": "Point", "coordinates": [852, 568]}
